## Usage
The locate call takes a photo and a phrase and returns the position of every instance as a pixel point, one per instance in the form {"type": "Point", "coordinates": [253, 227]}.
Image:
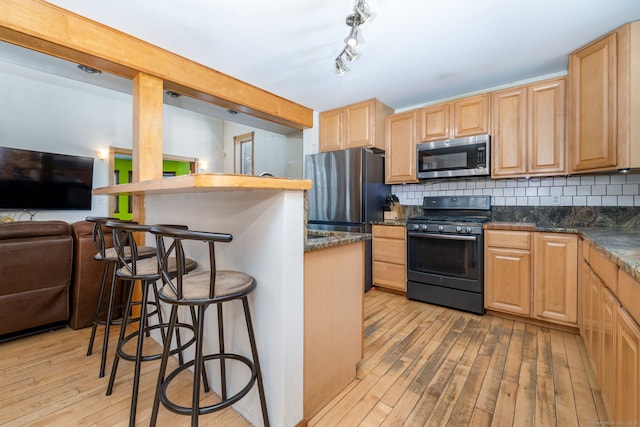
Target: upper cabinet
{"type": "Point", "coordinates": [463, 117]}
{"type": "Point", "coordinates": [356, 125]}
{"type": "Point", "coordinates": [604, 100]}
{"type": "Point", "coordinates": [401, 137]}
{"type": "Point", "coordinates": [528, 130]}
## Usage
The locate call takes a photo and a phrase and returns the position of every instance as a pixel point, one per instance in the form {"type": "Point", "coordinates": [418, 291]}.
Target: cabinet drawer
{"type": "Point", "coordinates": [629, 294]}
{"type": "Point", "coordinates": [605, 268]}
{"type": "Point", "coordinates": [389, 231]}
{"type": "Point", "coordinates": [389, 250]}
{"type": "Point", "coordinates": [392, 276]}
{"type": "Point", "coordinates": [508, 239]}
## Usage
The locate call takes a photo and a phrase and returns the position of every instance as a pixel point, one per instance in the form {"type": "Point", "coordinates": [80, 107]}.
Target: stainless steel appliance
{"type": "Point", "coordinates": [468, 156]}
{"type": "Point", "coordinates": [445, 252]}
{"type": "Point", "coordinates": [347, 194]}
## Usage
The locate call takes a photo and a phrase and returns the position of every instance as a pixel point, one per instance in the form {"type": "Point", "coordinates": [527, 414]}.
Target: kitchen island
{"type": "Point", "coordinates": [266, 217]}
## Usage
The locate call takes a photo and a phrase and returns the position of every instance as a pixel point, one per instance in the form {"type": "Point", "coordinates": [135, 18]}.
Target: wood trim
{"type": "Point", "coordinates": [49, 29]}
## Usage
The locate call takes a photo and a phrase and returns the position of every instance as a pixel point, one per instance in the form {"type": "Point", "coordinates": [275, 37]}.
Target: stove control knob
{"type": "Point", "coordinates": [441, 228]}
{"type": "Point", "coordinates": [414, 227]}
{"type": "Point", "coordinates": [423, 227]}
{"type": "Point", "coordinates": [468, 230]}
{"type": "Point", "coordinates": [459, 229]}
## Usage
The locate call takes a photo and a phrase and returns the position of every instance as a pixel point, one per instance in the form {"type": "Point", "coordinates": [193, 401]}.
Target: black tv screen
{"type": "Point", "coordinates": [47, 181]}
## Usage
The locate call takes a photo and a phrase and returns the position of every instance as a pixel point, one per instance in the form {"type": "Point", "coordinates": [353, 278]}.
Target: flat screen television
{"type": "Point", "coordinates": [44, 181]}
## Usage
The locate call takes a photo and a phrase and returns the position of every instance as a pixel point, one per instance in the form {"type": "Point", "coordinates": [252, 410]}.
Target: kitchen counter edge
{"type": "Point", "coordinates": [317, 239]}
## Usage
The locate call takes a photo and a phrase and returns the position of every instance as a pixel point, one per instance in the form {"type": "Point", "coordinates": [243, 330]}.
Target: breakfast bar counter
{"type": "Point", "coordinates": [266, 217]}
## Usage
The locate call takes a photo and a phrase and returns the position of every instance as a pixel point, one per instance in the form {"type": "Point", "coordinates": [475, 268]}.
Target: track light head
{"type": "Point", "coordinates": [340, 67]}
{"type": "Point", "coordinates": [350, 53]}
{"type": "Point", "coordinates": [352, 38]}
{"type": "Point", "coordinates": [362, 11]}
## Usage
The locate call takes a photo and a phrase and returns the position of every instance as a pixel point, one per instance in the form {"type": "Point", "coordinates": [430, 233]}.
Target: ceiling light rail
{"type": "Point", "coordinates": [360, 15]}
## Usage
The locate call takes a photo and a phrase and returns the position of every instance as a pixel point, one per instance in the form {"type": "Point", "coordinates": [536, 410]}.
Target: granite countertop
{"type": "Point", "coordinates": [400, 222]}
{"type": "Point", "coordinates": [621, 245]}
{"type": "Point", "coordinates": [318, 239]}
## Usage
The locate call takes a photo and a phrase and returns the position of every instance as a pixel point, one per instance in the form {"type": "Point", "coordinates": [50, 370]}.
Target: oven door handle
{"type": "Point", "coordinates": [443, 236]}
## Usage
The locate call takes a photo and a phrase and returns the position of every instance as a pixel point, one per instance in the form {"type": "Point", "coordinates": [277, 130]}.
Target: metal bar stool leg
{"type": "Point", "coordinates": [163, 365]}
{"type": "Point", "coordinates": [223, 368]}
{"type": "Point", "coordinates": [138, 361]}
{"type": "Point", "coordinates": [94, 327]}
{"type": "Point", "coordinates": [197, 367]}
{"type": "Point", "coordinates": [107, 326]}
{"type": "Point", "coordinates": [254, 353]}
{"type": "Point", "coordinates": [123, 333]}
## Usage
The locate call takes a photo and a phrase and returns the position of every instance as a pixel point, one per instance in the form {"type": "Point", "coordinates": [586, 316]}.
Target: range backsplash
{"type": "Point", "coordinates": [570, 216]}
{"type": "Point", "coordinates": [600, 190]}
{"type": "Point", "coordinates": [559, 216]}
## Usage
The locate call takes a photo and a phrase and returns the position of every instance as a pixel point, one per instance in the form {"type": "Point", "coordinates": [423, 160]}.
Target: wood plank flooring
{"type": "Point", "coordinates": [430, 366]}
{"type": "Point", "coordinates": [423, 366]}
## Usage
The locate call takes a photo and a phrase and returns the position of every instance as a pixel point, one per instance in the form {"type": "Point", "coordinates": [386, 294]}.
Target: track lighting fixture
{"type": "Point", "coordinates": [354, 20]}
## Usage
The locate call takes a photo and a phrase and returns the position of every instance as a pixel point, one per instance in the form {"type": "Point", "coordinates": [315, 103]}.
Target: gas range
{"type": "Point", "coordinates": [452, 215]}
{"type": "Point", "coordinates": [445, 261]}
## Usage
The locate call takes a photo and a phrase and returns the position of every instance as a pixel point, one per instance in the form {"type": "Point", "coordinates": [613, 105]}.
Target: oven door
{"type": "Point", "coordinates": [447, 260]}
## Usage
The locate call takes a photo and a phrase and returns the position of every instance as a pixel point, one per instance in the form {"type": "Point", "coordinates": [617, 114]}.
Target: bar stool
{"type": "Point", "coordinates": [108, 255]}
{"type": "Point", "coordinates": [200, 290]}
{"type": "Point", "coordinates": [131, 269]}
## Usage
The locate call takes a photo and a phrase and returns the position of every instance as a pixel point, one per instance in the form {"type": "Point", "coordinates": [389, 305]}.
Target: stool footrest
{"type": "Point", "coordinates": [156, 356]}
{"type": "Point", "coordinates": [186, 410]}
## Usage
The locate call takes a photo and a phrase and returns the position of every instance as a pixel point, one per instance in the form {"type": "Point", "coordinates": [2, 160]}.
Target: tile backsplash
{"type": "Point", "coordinates": [598, 190]}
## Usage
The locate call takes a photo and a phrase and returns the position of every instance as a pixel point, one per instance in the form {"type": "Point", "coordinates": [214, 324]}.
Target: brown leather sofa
{"type": "Point", "coordinates": [48, 276]}
{"type": "Point", "coordinates": [87, 275]}
{"type": "Point", "coordinates": [35, 274]}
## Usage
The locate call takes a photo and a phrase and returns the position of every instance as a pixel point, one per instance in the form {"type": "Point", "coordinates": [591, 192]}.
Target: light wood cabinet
{"type": "Point", "coordinates": [401, 137]}
{"type": "Point", "coordinates": [508, 271]}
{"type": "Point", "coordinates": [331, 130]}
{"type": "Point", "coordinates": [603, 104]}
{"type": "Point", "coordinates": [532, 274]}
{"type": "Point", "coordinates": [390, 257]}
{"type": "Point", "coordinates": [611, 334]}
{"type": "Point", "coordinates": [528, 130]}
{"type": "Point", "coordinates": [333, 322]}
{"type": "Point", "coordinates": [627, 368]}
{"type": "Point", "coordinates": [606, 368]}
{"type": "Point", "coordinates": [355, 125]}
{"type": "Point", "coordinates": [555, 276]}
{"type": "Point", "coordinates": [463, 117]}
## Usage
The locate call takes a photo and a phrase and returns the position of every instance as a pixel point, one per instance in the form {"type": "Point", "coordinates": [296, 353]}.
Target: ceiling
{"type": "Point", "coordinates": [414, 51]}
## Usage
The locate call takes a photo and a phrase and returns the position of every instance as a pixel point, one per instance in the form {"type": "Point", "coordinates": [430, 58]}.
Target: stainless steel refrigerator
{"type": "Point", "coordinates": [347, 194]}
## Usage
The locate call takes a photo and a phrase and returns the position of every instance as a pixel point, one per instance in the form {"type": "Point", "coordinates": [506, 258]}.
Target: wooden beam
{"type": "Point", "coordinates": [147, 128]}
{"type": "Point", "coordinates": [44, 27]}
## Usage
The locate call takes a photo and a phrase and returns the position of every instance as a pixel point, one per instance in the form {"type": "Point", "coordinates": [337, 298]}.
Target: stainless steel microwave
{"type": "Point", "coordinates": [468, 156]}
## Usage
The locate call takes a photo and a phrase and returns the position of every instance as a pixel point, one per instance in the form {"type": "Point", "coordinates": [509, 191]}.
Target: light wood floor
{"type": "Point", "coordinates": [429, 366]}
{"type": "Point", "coordinates": [423, 365]}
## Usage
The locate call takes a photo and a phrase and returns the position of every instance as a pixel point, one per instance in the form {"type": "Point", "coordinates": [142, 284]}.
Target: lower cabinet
{"type": "Point", "coordinates": [609, 328]}
{"type": "Point", "coordinates": [507, 283]}
{"type": "Point", "coordinates": [333, 322]}
{"type": "Point", "coordinates": [627, 360]}
{"type": "Point", "coordinates": [389, 247]}
{"type": "Point", "coordinates": [555, 275]}
{"type": "Point", "coordinates": [532, 274]}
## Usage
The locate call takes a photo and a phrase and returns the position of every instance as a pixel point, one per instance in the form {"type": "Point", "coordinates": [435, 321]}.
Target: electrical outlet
{"type": "Point", "coordinates": [555, 201]}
